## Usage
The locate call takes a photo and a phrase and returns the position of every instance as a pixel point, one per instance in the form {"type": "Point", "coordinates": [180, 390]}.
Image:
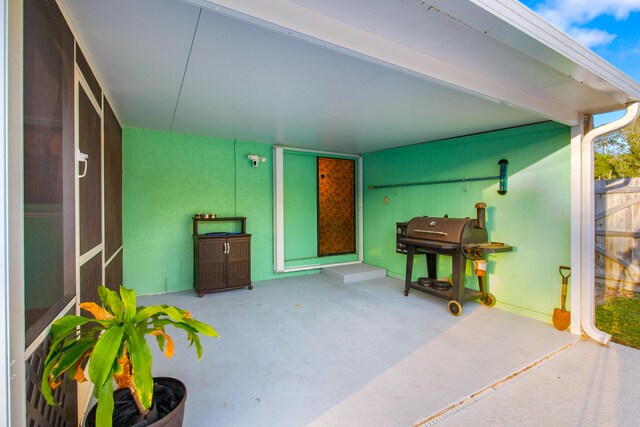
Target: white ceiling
{"type": "Point", "coordinates": [328, 76]}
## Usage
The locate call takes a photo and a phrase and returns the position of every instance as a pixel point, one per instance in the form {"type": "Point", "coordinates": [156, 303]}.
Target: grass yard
{"type": "Point", "coordinates": [620, 317]}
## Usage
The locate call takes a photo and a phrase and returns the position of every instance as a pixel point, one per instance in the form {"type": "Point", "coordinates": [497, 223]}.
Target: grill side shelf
{"type": "Point", "coordinates": [488, 247]}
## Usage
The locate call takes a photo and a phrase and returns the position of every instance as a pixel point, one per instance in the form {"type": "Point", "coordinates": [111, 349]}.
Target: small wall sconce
{"type": "Point", "coordinates": [255, 159]}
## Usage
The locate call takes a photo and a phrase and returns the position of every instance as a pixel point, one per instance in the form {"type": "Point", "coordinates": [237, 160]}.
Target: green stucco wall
{"type": "Point", "coordinates": [167, 178]}
{"type": "Point", "coordinates": [534, 215]}
{"type": "Point", "coordinates": [300, 206]}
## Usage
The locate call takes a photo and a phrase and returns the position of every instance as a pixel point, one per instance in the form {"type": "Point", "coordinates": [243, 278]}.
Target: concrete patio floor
{"type": "Point", "coordinates": [311, 351]}
{"type": "Point", "coordinates": [586, 384]}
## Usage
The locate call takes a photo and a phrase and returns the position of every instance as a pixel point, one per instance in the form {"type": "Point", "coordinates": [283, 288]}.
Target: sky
{"type": "Point", "coordinates": [611, 28]}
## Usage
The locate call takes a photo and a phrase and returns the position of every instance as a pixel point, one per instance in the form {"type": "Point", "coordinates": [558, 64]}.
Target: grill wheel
{"type": "Point", "coordinates": [455, 308]}
{"type": "Point", "coordinates": [489, 300]}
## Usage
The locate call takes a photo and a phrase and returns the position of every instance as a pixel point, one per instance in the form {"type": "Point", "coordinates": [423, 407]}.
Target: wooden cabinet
{"type": "Point", "coordinates": [222, 260]}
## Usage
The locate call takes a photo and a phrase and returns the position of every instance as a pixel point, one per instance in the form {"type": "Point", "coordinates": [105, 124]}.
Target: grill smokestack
{"type": "Point", "coordinates": [479, 221]}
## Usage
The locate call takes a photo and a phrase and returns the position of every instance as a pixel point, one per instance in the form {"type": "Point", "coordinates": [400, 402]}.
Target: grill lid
{"type": "Point", "coordinates": [438, 229]}
{"type": "Point", "coordinates": [449, 230]}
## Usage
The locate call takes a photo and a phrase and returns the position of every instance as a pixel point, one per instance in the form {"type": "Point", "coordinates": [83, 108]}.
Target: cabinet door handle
{"type": "Point", "coordinates": [82, 157]}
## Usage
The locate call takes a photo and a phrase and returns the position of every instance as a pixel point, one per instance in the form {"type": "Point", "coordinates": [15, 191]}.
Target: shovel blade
{"type": "Point", "coordinates": [561, 319]}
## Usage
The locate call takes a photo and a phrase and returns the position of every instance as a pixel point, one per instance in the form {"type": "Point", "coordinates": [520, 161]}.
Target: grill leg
{"type": "Point", "coordinates": [486, 298]}
{"type": "Point", "coordinates": [407, 275]}
{"type": "Point", "coordinates": [459, 266]}
{"type": "Point", "coordinates": [481, 286]}
{"type": "Point", "coordinates": [431, 265]}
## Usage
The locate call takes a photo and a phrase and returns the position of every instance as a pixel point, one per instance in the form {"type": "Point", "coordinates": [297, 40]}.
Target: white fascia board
{"type": "Point", "coordinates": [297, 21]}
{"type": "Point", "coordinates": [523, 20]}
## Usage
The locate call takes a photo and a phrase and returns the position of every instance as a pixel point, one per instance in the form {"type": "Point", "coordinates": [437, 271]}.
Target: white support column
{"type": "Point", "coordinates": [5, 357]}
{"type": "Point", "coordinates": [13, 223]}
{"type": "Point", "coordinates": [577, 133]}
{"type": "Point", "coordinates": [278, 209]}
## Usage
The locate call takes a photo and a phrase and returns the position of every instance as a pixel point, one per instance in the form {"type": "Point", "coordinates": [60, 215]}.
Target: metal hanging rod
{"type": "Point", "coordinates": [502, 179]}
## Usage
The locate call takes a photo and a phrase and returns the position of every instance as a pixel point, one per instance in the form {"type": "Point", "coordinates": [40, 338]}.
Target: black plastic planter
{"type": "Point", "coordinates": [173, 417]}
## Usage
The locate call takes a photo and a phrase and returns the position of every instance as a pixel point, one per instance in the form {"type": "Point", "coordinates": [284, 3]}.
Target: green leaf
{"type": "Point", "coordinates": [195, 339]}
{"type": "Point", "coordinates": [176, 315]}
{"type": "Point", "coordinates": [103, 293]}
{"type": "Point", "coordinates": [201, 327]}
{"type": "Point", "coordinates": [156, 310]}
{"type": "Point", "coordinates": [58, 346]}
{"type": "Point", "coordinates": [65, 324]}
{"type": "Point", "coordinates": [141, 362]}
{"type": "Point", "coordinates": [63, 343]}
{"type": "Point", "coordinates": [191, 332]}
{"type": "Point", "coordinates": [111, 301]}
{"type": "Point", "coordinates": [58, 361]}
{"type": "Point", "coordinates": [70, 356]}
{"type": "Point", "coordinates": [118, 369]}
{"type": "Point", "coordinates": [104, 412]}
{"type": "Point", "coordinates": [129, 300]}
{"type": "Point", "coordinates": [161, 340]}
{"type": "Point", "coordinates": [44, 385]}
{"type": "Point", "coordinates": [104, 353]}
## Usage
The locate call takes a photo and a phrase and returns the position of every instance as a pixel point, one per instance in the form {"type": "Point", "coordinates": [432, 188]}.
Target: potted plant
{"type": "Point", "coordinates": [112, 342]}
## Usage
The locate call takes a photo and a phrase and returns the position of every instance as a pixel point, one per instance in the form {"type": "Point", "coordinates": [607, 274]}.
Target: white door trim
{"type": "Point", "coordinates": [278, 209]}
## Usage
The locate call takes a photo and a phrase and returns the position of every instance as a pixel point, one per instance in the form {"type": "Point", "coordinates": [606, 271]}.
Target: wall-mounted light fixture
{"type": "Point", "coordinates": [255, 159]}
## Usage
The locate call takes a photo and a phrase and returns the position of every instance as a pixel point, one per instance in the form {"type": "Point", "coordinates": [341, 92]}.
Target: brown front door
{"type": "Point", "coordinates": [336, 206]}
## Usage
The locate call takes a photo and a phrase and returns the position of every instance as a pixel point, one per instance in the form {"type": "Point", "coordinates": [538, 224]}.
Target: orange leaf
{"type": "Point", "coordinates": [168, 350]}
{"type": "Point", "coordinates": [52, 383]}
{"type": "Point", "coordinates": [169, 346]}
{"type": "Point", "coordinates": [97, 311]}
{"type": "Point", "coordinates": [79, 376]}
{"type": "Point", "coordinates": [125, 379]}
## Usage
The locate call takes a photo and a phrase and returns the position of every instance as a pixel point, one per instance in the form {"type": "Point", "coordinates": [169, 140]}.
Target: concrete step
{"type": "Point", "coordinates": [353, 272]}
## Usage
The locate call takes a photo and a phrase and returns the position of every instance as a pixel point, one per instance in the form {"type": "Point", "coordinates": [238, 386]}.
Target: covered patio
{"type": "Point", "coordinates": [312, 351]}
{"type": "Point", "coordinates": [224, 107]}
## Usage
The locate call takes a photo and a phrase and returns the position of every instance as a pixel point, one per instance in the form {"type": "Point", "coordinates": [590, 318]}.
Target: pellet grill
{"type": "Point", "coordinates": [462, 239]}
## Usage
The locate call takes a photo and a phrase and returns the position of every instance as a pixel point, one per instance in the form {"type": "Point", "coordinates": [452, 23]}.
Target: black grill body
{"type": "Point", "coordinates": [462, 239]}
